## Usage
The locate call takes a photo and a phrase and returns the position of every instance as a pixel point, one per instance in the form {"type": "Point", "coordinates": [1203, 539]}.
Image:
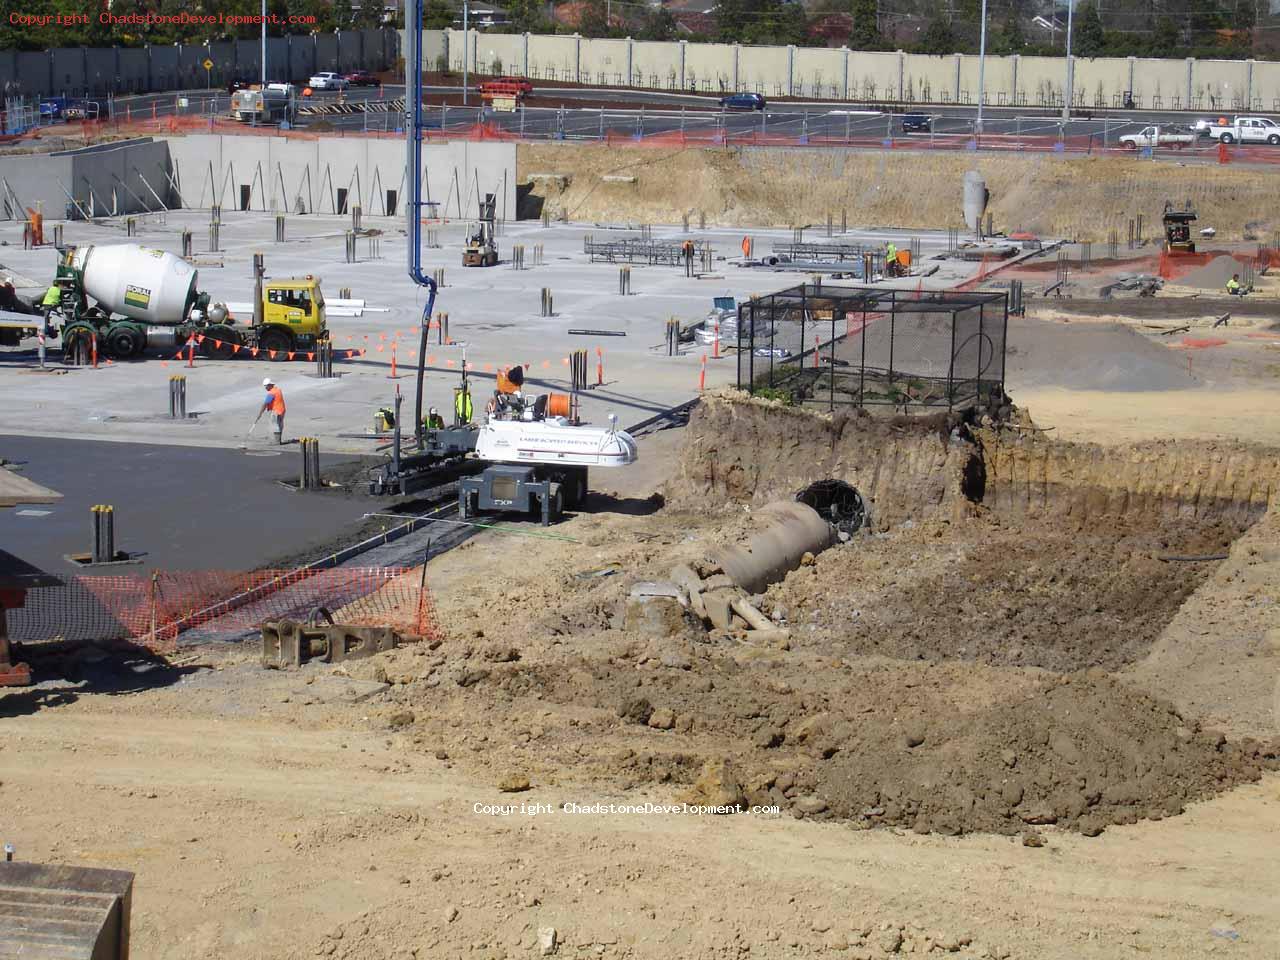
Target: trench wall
{"type": "Point", "coordinates": [913, 468]}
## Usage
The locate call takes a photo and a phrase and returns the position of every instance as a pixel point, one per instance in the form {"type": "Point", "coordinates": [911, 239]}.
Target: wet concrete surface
{"type": "Point", "coordinates": [176, 507]}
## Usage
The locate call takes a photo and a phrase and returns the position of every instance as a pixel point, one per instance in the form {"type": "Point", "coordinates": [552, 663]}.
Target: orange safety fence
{"type": "Point", "coordinates": [157, 610]}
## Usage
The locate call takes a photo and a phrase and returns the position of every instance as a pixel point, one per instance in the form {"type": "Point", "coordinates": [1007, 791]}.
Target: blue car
{"type": "Point", "coordinates": [742, 101]}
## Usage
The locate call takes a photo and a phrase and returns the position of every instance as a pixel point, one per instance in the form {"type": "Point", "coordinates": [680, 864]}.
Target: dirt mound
{"type": "Point", "coordinates": [1090, 356]}
{"type": "Point", "coordinates": [1213, 275]}
{"type": "Point", "coordinates": [1079, 198]}
{"type": "Point", "coordinates": [949, 748]}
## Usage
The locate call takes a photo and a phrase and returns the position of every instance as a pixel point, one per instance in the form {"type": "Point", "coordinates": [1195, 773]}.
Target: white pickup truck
{"type": "Point", "coordinates": [1246, 130]}
{"type": "Point", "coordinates": [1155, 136]}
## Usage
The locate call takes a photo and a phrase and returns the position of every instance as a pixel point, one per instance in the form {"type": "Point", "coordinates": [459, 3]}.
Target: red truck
{"type": "Point", "coordinates": [517, 88]}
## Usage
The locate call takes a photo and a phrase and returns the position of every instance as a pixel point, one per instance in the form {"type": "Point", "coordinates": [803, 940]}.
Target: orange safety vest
{"type": "Point", "coordinates": [277, 400]}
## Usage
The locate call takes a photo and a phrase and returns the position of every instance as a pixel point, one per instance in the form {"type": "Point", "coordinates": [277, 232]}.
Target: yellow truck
{"type": "Point", "coordinates": [134, 297]}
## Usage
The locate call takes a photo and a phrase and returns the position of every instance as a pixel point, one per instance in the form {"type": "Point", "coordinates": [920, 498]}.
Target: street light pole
{"type": "Point", "coordinates": [1070, 81]}
{"type": "Point", "coordinates": [466, 48]}
{"type": "Point", "coordinates": [982, 67]}
{"type": "Point", "coordinates": [264, 43]}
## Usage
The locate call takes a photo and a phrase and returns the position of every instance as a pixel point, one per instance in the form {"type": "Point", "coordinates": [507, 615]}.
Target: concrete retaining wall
{"type": "Point", "coordinates": [329, 175]}
{"type": "Point", "coordinates": [1208, 85]}
{"type": "Point", "coordinates": [279, 174]}
{"type": "Point", "coordinates": [112, 179]}
{"type": "Point", "coordinates": [76, 71]}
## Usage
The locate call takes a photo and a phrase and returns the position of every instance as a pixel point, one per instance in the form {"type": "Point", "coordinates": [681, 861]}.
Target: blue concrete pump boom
{"type": "Point", "coordinates": [413, 161]}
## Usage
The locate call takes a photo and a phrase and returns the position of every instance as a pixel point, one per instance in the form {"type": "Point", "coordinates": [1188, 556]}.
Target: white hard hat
{"type": "Point", "coordinates": [268, 382]}
{"type": "Point", "coordinates": [433, 410]}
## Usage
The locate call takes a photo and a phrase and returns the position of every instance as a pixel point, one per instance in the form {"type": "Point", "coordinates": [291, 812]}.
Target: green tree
{"type": "Point", "coordinates": [1166, 40]}
{"type": "Point", "coordinates": [865, 34]}
{"type": "Point", "coordinates": [657, 23]}
{"type": "Point", "coordinates": [594, 20]}
{"type": "Point", "coordinates": [437, 15]}
{"type": "Point", "coordinates": [1088, 39]}
{"type": "Point", "coordinates": [938, 38]}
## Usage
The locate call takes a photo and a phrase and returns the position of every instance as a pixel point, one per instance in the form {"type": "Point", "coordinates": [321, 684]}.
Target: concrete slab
{"type": "Point", "coordinates": [182, 508]}
{"type": "Point", "coordinates": [493, 313]}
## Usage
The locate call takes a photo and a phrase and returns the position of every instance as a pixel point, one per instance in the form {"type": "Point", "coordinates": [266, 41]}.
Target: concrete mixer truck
{"type": "Point", "coordinates": [134, 297]}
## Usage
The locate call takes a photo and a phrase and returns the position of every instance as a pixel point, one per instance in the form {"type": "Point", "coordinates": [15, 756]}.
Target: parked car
{"type": "Point", "coordinates": [916, 123]}
{"type": "Point", "coordinates": [1246, 130]}
{"type": "Point", "coordinates": [328, 81]}
{"type": "Point", "coordinates": [742, 101]}
{"type": "Point", "coordinates": [362, 78]}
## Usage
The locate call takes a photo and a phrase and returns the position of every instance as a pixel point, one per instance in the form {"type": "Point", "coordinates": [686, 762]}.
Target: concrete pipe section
{"type": "Point", "coordinates": [784, 533]}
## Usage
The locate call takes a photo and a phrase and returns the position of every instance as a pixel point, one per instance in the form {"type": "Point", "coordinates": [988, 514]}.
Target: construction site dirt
{"type": "Point", "coordinates": [965, 668]}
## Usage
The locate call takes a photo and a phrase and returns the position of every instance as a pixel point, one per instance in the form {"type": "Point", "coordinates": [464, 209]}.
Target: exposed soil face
{"type": "Point", "coordinates": [1079, 197]}
{"type": "Point", "coordinates": [1062, 596]}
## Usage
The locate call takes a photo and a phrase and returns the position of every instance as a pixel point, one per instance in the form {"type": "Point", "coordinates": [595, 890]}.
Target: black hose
{"type": "Point", "coordinates": [422, 365]}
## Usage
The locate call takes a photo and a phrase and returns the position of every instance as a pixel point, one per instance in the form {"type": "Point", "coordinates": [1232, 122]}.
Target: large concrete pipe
{"type": "Point", "coordinates": [784, 533]}
{"type": "Point", "coordinates": [975, 201]}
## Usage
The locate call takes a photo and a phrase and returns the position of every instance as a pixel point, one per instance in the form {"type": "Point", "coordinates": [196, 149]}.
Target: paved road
{"type": "Point", "coordinates": [560, 113]}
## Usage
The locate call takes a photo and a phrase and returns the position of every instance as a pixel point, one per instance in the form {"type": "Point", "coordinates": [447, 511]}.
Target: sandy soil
{"type": "Point", "coordinates": [1077, 198]}
{"type": "Point", "coordinates": [256, 836]}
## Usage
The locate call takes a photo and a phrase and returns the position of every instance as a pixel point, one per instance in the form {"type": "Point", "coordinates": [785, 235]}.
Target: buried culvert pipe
{"type": "Point", "coordinates": [782, 534]}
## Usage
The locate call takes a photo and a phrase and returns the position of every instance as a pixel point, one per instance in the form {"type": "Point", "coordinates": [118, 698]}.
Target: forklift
{"type": "Point", "coordinates": [482, 249]}
{"type": "Point", "coordinates": [1177, 228]}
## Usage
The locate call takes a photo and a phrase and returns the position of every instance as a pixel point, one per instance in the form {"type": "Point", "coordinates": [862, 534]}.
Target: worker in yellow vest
{"type": "Point", "coordinates": [462, 408]}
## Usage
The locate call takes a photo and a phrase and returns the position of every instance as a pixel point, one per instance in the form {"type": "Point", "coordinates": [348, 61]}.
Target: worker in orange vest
{"type": "Point", "coordinates": [274, 404]}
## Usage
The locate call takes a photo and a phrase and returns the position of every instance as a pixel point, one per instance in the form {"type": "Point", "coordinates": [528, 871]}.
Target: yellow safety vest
{"type": "Point", "coordinates": [52, 296]}
{"type": "Point", "coordinates": [462, 408]}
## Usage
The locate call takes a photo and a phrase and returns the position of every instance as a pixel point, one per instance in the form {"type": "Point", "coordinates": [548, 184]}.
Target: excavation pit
{"type": "Point", "coordinates": [963, 663]}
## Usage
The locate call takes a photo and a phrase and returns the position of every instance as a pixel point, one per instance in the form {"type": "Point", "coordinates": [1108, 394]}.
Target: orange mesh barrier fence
{"type": "Point", "coordinates": [159, 609]}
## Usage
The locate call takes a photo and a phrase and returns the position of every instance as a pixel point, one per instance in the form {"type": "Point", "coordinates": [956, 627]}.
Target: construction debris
{"type": "Point", "coordinates": [287, 644]}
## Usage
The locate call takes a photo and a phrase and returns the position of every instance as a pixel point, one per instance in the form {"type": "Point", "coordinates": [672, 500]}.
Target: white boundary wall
{"type": "Point", "coordinates": [819, 73]}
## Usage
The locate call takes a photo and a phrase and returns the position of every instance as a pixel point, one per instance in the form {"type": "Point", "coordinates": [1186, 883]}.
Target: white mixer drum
{"type": "Point", "coordinates": [139, 282]}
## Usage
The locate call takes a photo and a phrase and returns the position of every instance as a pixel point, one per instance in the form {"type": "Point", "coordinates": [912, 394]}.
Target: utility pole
{"type": "Point", "coordinates": [264, 43]}
{"type": "Point", "coordinates": [466, 47]}
{"type": "Point", "coordinates": [982, 67]}
{"type": "Point", "coordinates": [1070, 81]}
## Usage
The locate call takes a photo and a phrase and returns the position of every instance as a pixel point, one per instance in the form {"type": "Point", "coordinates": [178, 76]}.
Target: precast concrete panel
{"type": "Point", "coordinates": [499, 54]}
{"type": "Point", "coordinates": [818, 72]}
{"type": "Point", "coordinates": [1221, 85]}
{"type": "Point", "coordinates": [1159, 84]}
{"type": "Point", "coordinates": [550, 58]}
{"type": "Point", "coordinates": [1266, 86]}
{"type": "Point", "coordinates": [326, 51]}
{"type": "Point", "coordinates": [708, 67]}
{"type": "Point", "coordinates": [927, 79]}
{"type": "Point", "coordinates": [764, 70]}
{"type": "Point", "coordinates": [1100, 81]}
{"type": "Point", "coordinates": [655, 64]}
{"type": "Point", "coordinates": [1041, 81]}
{"type": "Point", "coordinates": [68, 70]}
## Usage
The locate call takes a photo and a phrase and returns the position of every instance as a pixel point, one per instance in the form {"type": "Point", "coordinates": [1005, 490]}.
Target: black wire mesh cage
{"type": "Point", "coordinates": [823, 344]}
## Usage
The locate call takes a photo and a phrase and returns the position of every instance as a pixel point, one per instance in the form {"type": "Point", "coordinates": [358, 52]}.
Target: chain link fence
{"type": "Point", "coordinates": [836, 346]}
